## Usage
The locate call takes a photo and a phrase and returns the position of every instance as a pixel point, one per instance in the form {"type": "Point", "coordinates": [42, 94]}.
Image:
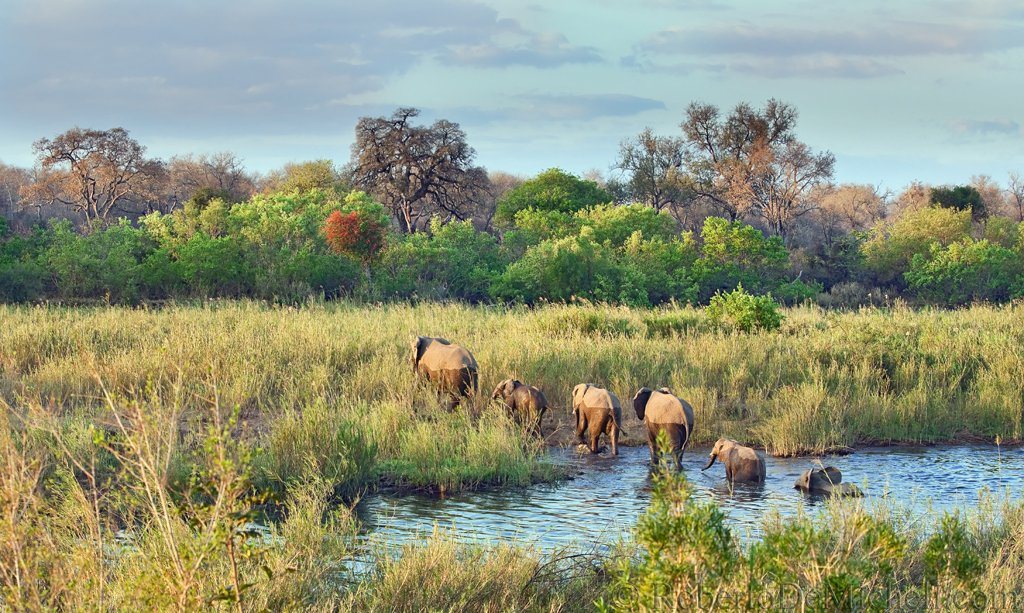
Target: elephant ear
{"type": "Point", "coordinates": [510, 386]}
{"type": "Point", "coordinates": [640, 402]}
{"type": "Point", "coordinates": [419, 345]}
{"type": "Point", "coordinates": [577, 392]}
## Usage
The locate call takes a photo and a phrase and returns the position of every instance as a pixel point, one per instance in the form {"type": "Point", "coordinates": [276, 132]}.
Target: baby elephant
{"type": "Point", "coordinates": [663, 412]}
{"type": "Point", "coordinates": [826, 480]}
{"type": "Point", "coordinates": [526, 402]}
{"type": "Point", "coordinates": [741, 463]}
{"type": "Point", "coordinates": [597, 411]}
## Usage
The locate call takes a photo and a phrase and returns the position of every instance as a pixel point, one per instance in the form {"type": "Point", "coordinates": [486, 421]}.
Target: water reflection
{"type": "Point", "coordinates": [607, 495]}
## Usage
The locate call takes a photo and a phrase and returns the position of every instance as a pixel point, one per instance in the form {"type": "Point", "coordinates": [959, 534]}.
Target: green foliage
{"type": "Point", "coordinates": [890, 247]}
{"type": "Point", "coordinates": [738, 310]}
{"type": "Point", "coordinates": [102, 264]}
{"type": "Point", "coordinates": [960, 198]}
{"type": "Point", "coordinates": [951, 561]}
{"type": "Point", "coordinates": [797, 291]}
{"type": "Point", "coordinates": [455, 261]}
{"type": "Point", "coordinates": [734, 253]}
{"type": "Point", "coordinates": [615, 224]}
{"type": "Point", "coordinates": [964, 271]}
{"type": "Point", "coordinates": [314, 175]}
{"type": "Point", "coordinates": [551, 190]}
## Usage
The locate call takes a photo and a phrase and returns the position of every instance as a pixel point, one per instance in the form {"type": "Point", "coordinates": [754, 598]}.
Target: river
{"type": "Point", "coordinates": [607, 495]}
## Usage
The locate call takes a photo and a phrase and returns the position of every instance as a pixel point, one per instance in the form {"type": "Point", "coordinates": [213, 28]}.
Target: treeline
{"type": "Point", "coordinates": [736, 200]}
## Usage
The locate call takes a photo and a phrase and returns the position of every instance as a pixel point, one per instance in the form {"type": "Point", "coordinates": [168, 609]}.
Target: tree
{"type": "Point", "coordinates": [552, 190]}
{"type": "Point", "coordinates": [1015, 195]}
{"type": "Point", "coordinates": [218, 173]}
{"type": "Point", "coordinates": [960, 198]}
{"type": "Point", "coordinates": [358, 229]}
{"type": "Point", "coordinates": [844, 209]}
{"type": "Point", "coordinates": [417, 171]}
{"type": "Point", "coordinates": [653, 168]}
{"type": "Point", "coordinates": [751, 163]}
{"type": "Point", "coordinates": [12, 179]}
{"type": "Point", "coordinates": [95, 170]}
{"type": "Point", "coordinates": [304, 176]}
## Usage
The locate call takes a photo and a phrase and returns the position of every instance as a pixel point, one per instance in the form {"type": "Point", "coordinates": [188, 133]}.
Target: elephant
{"type": "Point", "coordinates": [827, 480]}
{"type": "Point", "coordinates": [597, 411]}
{"type": "Point", "coordinates": [661, 411]}
{"type": "Point", "coordinates": [742, 464]}
{"type": "Point", "coordinates": [526, 402]}
{"type": "Point", "coordinates": [452, 369]}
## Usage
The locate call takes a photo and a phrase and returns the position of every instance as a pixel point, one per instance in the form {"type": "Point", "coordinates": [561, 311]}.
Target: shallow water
{"type": "Point", "coordinates": [607, 495]}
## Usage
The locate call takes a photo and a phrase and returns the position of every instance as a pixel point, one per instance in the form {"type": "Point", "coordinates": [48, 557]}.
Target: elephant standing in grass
{"type": "Point", "coordinates": [661, 411]}
{"type": "Point", "coordinates": [741, 463]}
{"type": "Point", "coordinates": [597, 411]}
{"type": "Point", "coordinates": [526, 402]}
{"type": "Point", "coordinates": [449, 368]}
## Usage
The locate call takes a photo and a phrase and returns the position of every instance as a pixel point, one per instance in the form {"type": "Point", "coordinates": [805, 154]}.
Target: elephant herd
{"type": "Point", "coordinates": [453, 371]}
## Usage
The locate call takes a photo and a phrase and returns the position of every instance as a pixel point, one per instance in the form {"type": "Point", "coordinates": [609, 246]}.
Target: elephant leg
{"type": "Point", "coordinates": [615, 439]}
{"type": "Point", "coordinates": [581, 426]}
{"type": "Point", "coordinates": [596, 427]}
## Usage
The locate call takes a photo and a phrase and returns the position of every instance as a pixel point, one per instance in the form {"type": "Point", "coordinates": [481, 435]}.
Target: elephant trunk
{"type": "Point", "coordinates": [711, 461]}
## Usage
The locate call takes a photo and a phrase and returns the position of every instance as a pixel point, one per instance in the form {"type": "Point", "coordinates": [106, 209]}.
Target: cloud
{"type": "Point", "coordinates": [983, 128]}
{"type": "Point", "coordinates": [561, 107]}
{"type": "Point", "coordinates": [858, 51]}
{"type": "Point", "coordinates": [238, 65]}
{"type": "Point", "coordinates": [544, 50]}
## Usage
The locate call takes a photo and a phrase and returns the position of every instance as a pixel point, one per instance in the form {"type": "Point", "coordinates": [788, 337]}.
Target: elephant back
{"type": "Point", "coordinates": [600, 398]}
{"type": "Point", "coordinates": [439, 356]}
{"type": "Point", "coordinates": [665, 408]}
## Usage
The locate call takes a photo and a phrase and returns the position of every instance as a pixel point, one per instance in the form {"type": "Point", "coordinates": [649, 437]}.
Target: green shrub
{"type": "Point", "coordinates": [734, 253]}
{"type": "Point", "coordinates": [891, 247]}
{"type": "Point", "coordinates": [797, 291]}
{"type": "Point", "coordinates": [738, 310]}
{"type": "Point", "coordinates": [551, 190]}
{"type": "Point", "coordinates": [964, 271]}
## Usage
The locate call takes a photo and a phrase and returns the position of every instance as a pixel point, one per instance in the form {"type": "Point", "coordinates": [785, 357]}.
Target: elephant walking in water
{"type": "Point", "coordinates": [526, 402]}
{"type": "Point", "coordinates": [449, 368]}
{"type": "Point", "coordinates": [597, 411]}
{"type": "Point", "coordinates": [661, 411]}
{"type": "Point", "coordinates": [741, 463]}
{"type": "Point", "coordinates": [827, 480]}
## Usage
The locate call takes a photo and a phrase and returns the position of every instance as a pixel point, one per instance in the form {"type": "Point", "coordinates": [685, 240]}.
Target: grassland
{"type": "Point", "coordinates": [138, 444]}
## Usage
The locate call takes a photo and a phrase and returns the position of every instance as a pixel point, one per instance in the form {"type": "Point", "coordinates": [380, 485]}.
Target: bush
{"type": "Point", "coordinates": [891, 247]}
{"type": "Point", "coordinates": [797, 291]}
{"type": "Point", "coordinates": [734, 253]}
{"type": "Point", "coordinates": [103, 264]}
{"type": "Point", "coordinates": [964, 271]}
{"type": "Point", "coordinates": [551, 190]}
{"type": "Point", "coordinates": [739, 310]}
{"type": "Point", "coordinates": [358, 229]}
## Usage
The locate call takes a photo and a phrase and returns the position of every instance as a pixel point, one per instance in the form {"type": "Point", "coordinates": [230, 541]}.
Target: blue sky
{"type": "Point", "coordinates": [928, 90]}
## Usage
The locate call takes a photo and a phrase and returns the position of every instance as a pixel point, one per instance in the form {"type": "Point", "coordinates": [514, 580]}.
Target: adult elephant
{"type": "Point", "coordinates": [450, 368]}
{"type": "Point", "coordinates": [662, 411]}
{"type": "Point", "coordinates": [526, 402]}
{"type": "Point", "coordinates": [742, 464]}
{"type": "Point", "coordinates": [597, 411]}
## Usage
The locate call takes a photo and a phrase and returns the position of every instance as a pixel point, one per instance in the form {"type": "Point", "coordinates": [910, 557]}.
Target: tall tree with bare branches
{"type": "Point", "coordinates": [652, 166]}
{"type": "Point", "coordinates": [94, 171]}
{"type": "Point", "coordinates": [750, 162]}
{"type": "Point", "coordinates": [417, 171]}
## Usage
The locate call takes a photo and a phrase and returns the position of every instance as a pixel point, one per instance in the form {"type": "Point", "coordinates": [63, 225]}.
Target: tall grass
{"type": "Point", "coordinates": [824, 380]}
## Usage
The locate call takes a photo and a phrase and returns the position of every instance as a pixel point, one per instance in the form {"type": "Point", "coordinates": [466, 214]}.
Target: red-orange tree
{"type": "Point", "coordinates": [359, 229]}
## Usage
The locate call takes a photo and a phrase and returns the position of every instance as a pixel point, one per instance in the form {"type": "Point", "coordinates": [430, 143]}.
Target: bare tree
{"type": "Point", "coordinates": [843, 209]}
{"type": "Point", "coordinates": [1015, 195]}
{"type": "Point", "coordinates": [417, 171]}
{"type": "Point", "coordinates": [992, 195]}
{"type": "Point", "coordinates": [221, 172]}
{"type": "Point", "coordinates": [653, 170]}
{"type": "Point", "coordinates": [751, 163]}
{"type": "Point", "coordinates": [12, 179]}
{"type": "Point", "coordinates": [93, 171]}
{"type": "Point", "coordinates": [498, 184]}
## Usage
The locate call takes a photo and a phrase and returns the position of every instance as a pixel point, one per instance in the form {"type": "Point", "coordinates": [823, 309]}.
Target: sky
{"type": "Point", "coordinates": [927, 90]}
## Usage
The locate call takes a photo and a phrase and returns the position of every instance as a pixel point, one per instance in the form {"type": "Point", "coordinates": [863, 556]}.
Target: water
{"type": "Point", "coordinates": [607, 495]}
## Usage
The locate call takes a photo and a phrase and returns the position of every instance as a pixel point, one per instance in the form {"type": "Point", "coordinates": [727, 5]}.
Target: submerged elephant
{"type": "Point", "coordinates": [742, 464]}
{"type": "Point", "coordinates": [597, 411]}
{"type": "Point", "coordinates": [661, 411]}
{"type": "Point", "coordinates": [450, 368]}
{"type": "Point", "coordinates": [827, 480]}
{"type": "Point", "coordinates": [526, 402]}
